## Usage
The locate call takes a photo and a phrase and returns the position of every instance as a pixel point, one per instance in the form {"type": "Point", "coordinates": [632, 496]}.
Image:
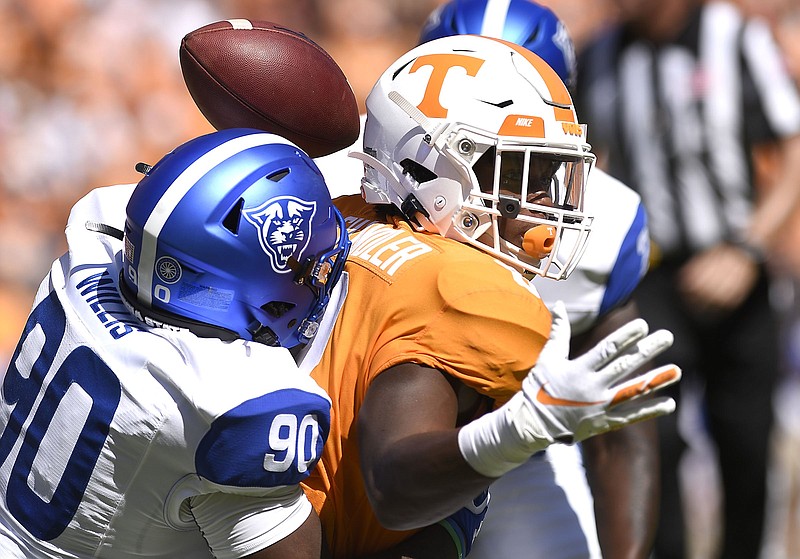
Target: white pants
{"type": "Point", "coordinates": [543, 509]}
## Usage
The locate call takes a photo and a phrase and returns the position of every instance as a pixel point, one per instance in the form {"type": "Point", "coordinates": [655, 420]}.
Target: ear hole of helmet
{"type": "Point", "coordinates": [418, 172]}
{"type": "Point", "coordinates": [277, 309]}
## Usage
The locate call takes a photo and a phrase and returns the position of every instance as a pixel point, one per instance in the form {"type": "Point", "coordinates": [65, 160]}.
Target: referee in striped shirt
{"type": "Point", "coordinates": [676, 98]}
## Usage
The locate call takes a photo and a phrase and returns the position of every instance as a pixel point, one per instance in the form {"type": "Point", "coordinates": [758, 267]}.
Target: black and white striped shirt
{"type": "Point", "coordinates": [677, 121]}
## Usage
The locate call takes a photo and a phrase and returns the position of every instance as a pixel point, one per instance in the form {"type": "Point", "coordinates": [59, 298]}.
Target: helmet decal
{"type": "Point", "coordinates": [284, 226]}
{"type": "Point", "coordinates": [168, 269]}
{"type": "Point", "coordinates": [441, 64]}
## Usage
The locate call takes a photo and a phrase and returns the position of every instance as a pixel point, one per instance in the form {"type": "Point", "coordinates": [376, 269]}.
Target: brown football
{"type": "Point", "coordinates": [258, 74]}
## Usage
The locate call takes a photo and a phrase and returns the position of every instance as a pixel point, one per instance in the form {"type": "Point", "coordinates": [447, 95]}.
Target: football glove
{"type": "Point", "coordinates": [567, 401]}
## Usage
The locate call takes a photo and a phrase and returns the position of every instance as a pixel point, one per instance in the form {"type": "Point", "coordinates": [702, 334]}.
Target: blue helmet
{"type": "Point", "coordinates": [233, 235]}
{"type": "Point", "coordinates": [522, 22]}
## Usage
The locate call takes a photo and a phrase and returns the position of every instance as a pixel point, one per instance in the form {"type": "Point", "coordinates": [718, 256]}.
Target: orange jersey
{"type": "Point", "coordinates": [412, 297]}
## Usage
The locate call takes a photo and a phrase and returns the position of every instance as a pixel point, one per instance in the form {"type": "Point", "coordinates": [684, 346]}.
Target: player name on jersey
{"type": "Point", "coordinates": [383, 246]}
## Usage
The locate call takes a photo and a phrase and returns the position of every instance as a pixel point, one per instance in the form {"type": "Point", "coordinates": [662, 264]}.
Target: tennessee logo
{"type": "Point", "coordinates": [441, 64]}
{"type": "Point", "coordinates": [284, 227]}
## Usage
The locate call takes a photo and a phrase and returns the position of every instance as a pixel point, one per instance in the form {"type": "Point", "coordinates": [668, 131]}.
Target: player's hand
{"type": "Point", "coordinates": [592, 394]}
{"type": "Point", "coordinates": [464, 524]}
{"type": "Point", "coordinates": [564, 400]}
{"type": "Point", "coordinates": [716, 281]}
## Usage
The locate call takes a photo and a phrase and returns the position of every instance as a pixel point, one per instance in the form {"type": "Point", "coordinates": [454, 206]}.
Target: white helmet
{"type": "Point", "coordinates": [441, 107]}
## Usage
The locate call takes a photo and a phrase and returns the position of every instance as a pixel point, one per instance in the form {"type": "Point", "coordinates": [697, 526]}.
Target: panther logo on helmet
{"type": "Point", "coordinates": [284, 226]}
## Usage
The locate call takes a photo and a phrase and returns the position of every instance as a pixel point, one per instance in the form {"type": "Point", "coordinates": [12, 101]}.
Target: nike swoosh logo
{"type": "Point", "coordinates": [630, 392]}
{"type": "Point", "coordinates": [501, 104]}
{"type": "Point", "coordinates": [548, 400]}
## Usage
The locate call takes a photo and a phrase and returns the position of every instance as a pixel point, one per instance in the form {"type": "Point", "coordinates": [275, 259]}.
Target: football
{"type": "Point", "coordinates": [258, 74]}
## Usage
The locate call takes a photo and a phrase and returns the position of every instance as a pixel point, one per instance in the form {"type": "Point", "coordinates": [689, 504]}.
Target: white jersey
{"type": "Point", "coordinates": [343, 173]}
{"type": "Point", "coordinates": [616, 254]}
{"type": "Point", "coordinates": [120, 440]}
{"type": "Point", "coordinates": [545, 508]}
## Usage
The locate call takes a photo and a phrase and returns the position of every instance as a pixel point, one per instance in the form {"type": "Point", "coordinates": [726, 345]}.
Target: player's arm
{"type": "Point", "coordinates": [414, 471]}
{"type": "Point", "coordinates": [451, 538]}
{"type": "Point", "coordinates": [418, 468]}
{"type": "Point", "coordinates": [279, 525]}
{"type": "Point", "coordinates": [622, 469]}
{"type": "Point", "coordinates": [303, 543]}
{"type": "Point", "coordinates": [254, 504]}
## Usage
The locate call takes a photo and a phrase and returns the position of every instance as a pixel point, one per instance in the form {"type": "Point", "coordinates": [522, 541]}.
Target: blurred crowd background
{"type": "Point", "coordinates": [88, 88]}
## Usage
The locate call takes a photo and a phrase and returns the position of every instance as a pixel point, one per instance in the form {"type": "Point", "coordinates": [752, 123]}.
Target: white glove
{"type": "Point", "coordinates": [567, 401]}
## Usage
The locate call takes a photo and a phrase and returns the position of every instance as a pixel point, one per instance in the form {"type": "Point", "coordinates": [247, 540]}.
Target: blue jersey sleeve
{"type": "Point", "coordinates": [272, 440]}
{"type": "Point", "coordinates": [631, 264]}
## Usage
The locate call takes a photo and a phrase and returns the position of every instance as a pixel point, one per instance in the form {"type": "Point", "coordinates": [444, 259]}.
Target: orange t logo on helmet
{"type": "Point", "coordinates": [441, 64]}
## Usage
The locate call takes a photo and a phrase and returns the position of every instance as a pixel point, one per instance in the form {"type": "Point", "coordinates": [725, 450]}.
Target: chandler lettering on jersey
{"type": "Point", "coordinates": [383, 246]}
